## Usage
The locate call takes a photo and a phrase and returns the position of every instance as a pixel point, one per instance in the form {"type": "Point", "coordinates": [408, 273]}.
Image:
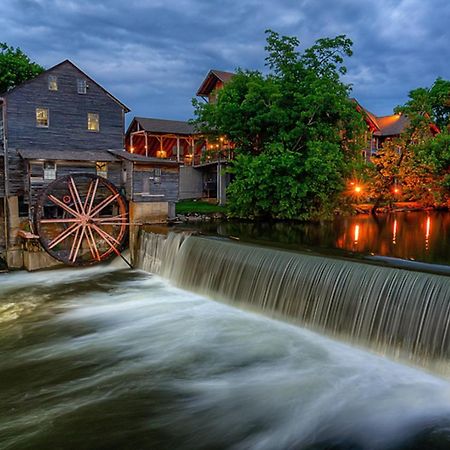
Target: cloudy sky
{"type": "Point", "coordinates": [153, 54]}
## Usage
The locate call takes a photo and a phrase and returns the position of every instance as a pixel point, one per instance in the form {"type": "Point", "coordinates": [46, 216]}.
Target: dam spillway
{"type": "Point", "coordinates": [393, 311]}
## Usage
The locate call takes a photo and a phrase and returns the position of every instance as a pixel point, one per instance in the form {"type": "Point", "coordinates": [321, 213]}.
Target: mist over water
{"type": "Point", "coordinates": [115, 359]}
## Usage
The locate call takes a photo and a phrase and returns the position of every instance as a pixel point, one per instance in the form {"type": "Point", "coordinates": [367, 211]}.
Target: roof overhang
{"type": "Point", "coordinates": [67, 155]}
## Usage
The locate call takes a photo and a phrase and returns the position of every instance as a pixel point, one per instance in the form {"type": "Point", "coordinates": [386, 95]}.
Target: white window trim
{"type": "Point", "coordinates": [81, 86]}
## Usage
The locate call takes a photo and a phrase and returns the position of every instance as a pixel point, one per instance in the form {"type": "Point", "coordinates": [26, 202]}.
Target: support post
{"type": "Point", "coordinates": [178, 148]}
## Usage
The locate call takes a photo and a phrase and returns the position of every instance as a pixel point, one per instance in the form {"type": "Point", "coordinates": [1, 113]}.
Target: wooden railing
{"type": "Point", "coordinates": [212, 156]}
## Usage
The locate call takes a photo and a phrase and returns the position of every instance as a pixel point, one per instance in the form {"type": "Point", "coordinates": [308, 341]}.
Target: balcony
{"type": "Point", "coordinates": [208, 157]}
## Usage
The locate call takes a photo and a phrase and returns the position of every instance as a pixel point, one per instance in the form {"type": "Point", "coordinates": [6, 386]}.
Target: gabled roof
{"type": "Point", "coordinates": [164, 126]}
{"type": "Point", "coordinates": [84, 74]}
{"type": "Point", "coordinates": [66, 155]}
{"type": "Point", "coordinates": [211, 80]}
{"type": "Point", "coordinates": [392, 125]}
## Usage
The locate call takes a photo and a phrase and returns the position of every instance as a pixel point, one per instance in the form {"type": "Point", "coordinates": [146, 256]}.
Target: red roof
{"type": "Point", "coordinates": [211, 79]}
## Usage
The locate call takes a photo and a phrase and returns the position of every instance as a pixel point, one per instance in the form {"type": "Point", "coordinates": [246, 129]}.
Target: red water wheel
{"type": "Point", "coordinates": [81, 219]}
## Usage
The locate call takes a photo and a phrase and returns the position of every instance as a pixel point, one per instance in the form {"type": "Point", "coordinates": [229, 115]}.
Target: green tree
{"type": "Point", "coordinates": [418, 162]}
{"type": "Point", "coordinates": [295, 129]}
{"type": "Point", "coordinates": [15, 67]}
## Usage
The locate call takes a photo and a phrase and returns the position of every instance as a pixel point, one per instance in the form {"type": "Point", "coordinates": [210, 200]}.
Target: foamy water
{"type": "Point", "coordinates": [116, 359]}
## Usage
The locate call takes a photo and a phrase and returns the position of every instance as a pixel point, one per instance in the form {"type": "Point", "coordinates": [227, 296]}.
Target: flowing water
{"type": "Point", "coordinates": [402, 313]}
{"type": "Point", "coordinates": [107, 358]}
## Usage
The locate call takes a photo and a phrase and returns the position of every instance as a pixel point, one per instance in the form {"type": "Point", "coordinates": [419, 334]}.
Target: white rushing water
{"type": "Point", "coordinates": [114, 359]}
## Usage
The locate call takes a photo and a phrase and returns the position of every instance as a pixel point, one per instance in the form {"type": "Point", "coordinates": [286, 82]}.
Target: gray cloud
{"type": "Point", "coordinates": [153, 54]}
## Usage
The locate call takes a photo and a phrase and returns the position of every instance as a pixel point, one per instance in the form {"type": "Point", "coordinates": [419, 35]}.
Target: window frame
{"type": "Point", "coordinates": [101, 169]}
{"type": "Point", "coordinates": [52, 80]}
{"type": "Point", "coordinates": [89, 116]}
{"type": "Point", "coordinates": [40, 125]}
{"type": "Point", "coordinates": [81, 86]}
{"type": "Point", "coordinates": [48, 170]}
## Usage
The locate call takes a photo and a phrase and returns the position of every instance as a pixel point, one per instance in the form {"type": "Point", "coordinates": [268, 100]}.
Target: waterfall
{"type": "Point", "coordinates": [395, 311]}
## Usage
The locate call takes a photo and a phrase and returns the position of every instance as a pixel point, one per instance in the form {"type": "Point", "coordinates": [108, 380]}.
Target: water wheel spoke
{"type": "Point", "coordinates": [66, 208]}
{"type": "Point", "coordinates": [96, 253]}
{"type": "Point", "coordinates": [64, 235]}
{"type": "Point", "coordinates": [75, 240]}
{"type": "Point", "coordinates": [107, 238]}
{"type": "Point", "coordinates": [75, 196]}
{"type": "Point", "coordinates": [102, 205]}
{"type": "Point", "coordinates": [93, 193]}
{"type": "Point", "coordinates": [114, 220]}
{"type": "Point", "coordinates": [77, 244]}
{"type": "Point", "coordinates": [59, 220]}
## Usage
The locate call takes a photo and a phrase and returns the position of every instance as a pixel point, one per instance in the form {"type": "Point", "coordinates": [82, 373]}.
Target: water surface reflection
{"type": "Point", "coordinates": [421, 236]}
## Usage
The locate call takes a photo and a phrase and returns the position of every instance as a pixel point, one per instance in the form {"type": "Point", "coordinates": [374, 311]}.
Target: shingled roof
{"type": "Point", "coordinates": [164, 126]}
{"type": "Point", "coordinates": [123, 154]}
{"type": "Point", "coordinates": [66, 155]}
{"type": "Point", "coordinates": [392, 125]}
{"type": "Point", "coordinates": [211, 80]}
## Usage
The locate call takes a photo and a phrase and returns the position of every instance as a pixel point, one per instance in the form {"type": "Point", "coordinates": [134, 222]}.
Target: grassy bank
{"type": "Point", "coordinates": [199, 207]}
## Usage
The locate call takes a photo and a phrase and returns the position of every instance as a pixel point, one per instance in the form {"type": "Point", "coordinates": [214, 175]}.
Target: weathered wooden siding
{"type": "Point", "coordinates": [2, 177]}
{"type": "Point", "coordinates": [34, 187]}
{"type": "Point", "coordinates": [147, 189]}
{"type": "Point", "coordinates": [68, 112]}
{"type": "Point", "coordinates": [16, 170]}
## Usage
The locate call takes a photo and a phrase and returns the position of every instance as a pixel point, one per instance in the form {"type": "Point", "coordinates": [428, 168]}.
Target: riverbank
{"type": "Point", "coordinates": [367, 208]}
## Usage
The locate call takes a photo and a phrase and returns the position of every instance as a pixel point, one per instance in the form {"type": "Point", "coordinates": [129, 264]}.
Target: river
{"type": "Point", "coordinates": [108, 358]}
{"type": "Point", "coordinates": [415, 235]}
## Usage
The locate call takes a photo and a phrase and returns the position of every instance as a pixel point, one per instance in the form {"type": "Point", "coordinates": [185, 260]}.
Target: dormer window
{"type": "Point", "coordinates": [42, 117]}
{"type": "Point", "coordinates": [52, 83]}
{"type": "Point", "coordinates": [81, 86]}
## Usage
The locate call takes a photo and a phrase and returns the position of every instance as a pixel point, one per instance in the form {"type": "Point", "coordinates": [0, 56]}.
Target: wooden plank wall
{"type": "Point", "coordinates": [146, 189]}
{"type": "Point", "coordinates": [64, 168]}
{"type": "Point", "coordinates": [2, 177]}
{"type": "Point", "coordinates": [68, 112]}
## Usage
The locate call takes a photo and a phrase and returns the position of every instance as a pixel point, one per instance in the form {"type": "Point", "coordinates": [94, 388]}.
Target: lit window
{"type": "Point", "coordinates": [81, 86]}
{"type": "Point", "coordinates": [42, 117]}
{"type": "Point", "coordinates": [102, 169]}
{"type": "Point", "coordinates": [52, 83]}
{"type": "Point", "coordinates": [49, 170]}
{"type": "Point", "coordinates": [93, 122]}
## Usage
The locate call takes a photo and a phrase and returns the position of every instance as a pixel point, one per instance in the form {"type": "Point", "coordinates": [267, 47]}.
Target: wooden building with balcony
{"type": "Point", "coordinates": [201, 162]}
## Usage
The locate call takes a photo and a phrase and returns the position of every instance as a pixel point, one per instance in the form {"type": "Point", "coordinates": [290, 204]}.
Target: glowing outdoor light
{"type": "Point", "coordinates": [356, 234]}
{"type": "Point", "coordinates": [358, 189]}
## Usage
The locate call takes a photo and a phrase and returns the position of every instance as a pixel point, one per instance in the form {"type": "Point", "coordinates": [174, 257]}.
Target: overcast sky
{"type": "Point", "coordinates": [153, 54]}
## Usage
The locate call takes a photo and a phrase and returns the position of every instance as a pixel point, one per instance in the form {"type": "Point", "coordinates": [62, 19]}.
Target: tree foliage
{"type": "Point", "coordinates": [15, 67]}
{"type": "Point", "coordinates": [295, 129]}
{"type": "Point", "coordinates": [417, 163]}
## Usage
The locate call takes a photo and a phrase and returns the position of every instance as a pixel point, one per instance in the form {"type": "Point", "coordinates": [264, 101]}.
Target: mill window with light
{"type": "Point", "coordinates": [93, 122]}
{"type": "Point", "coordinates": [42, 117]}
{"type": "Point", "coordinates": [81, 86]}
{"type": "Point", "coordinates": [102, 169]}
{"type": "Point", "coordinates": [52, 83]}
{"type": "Point", "coordinates": [49, 170]}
